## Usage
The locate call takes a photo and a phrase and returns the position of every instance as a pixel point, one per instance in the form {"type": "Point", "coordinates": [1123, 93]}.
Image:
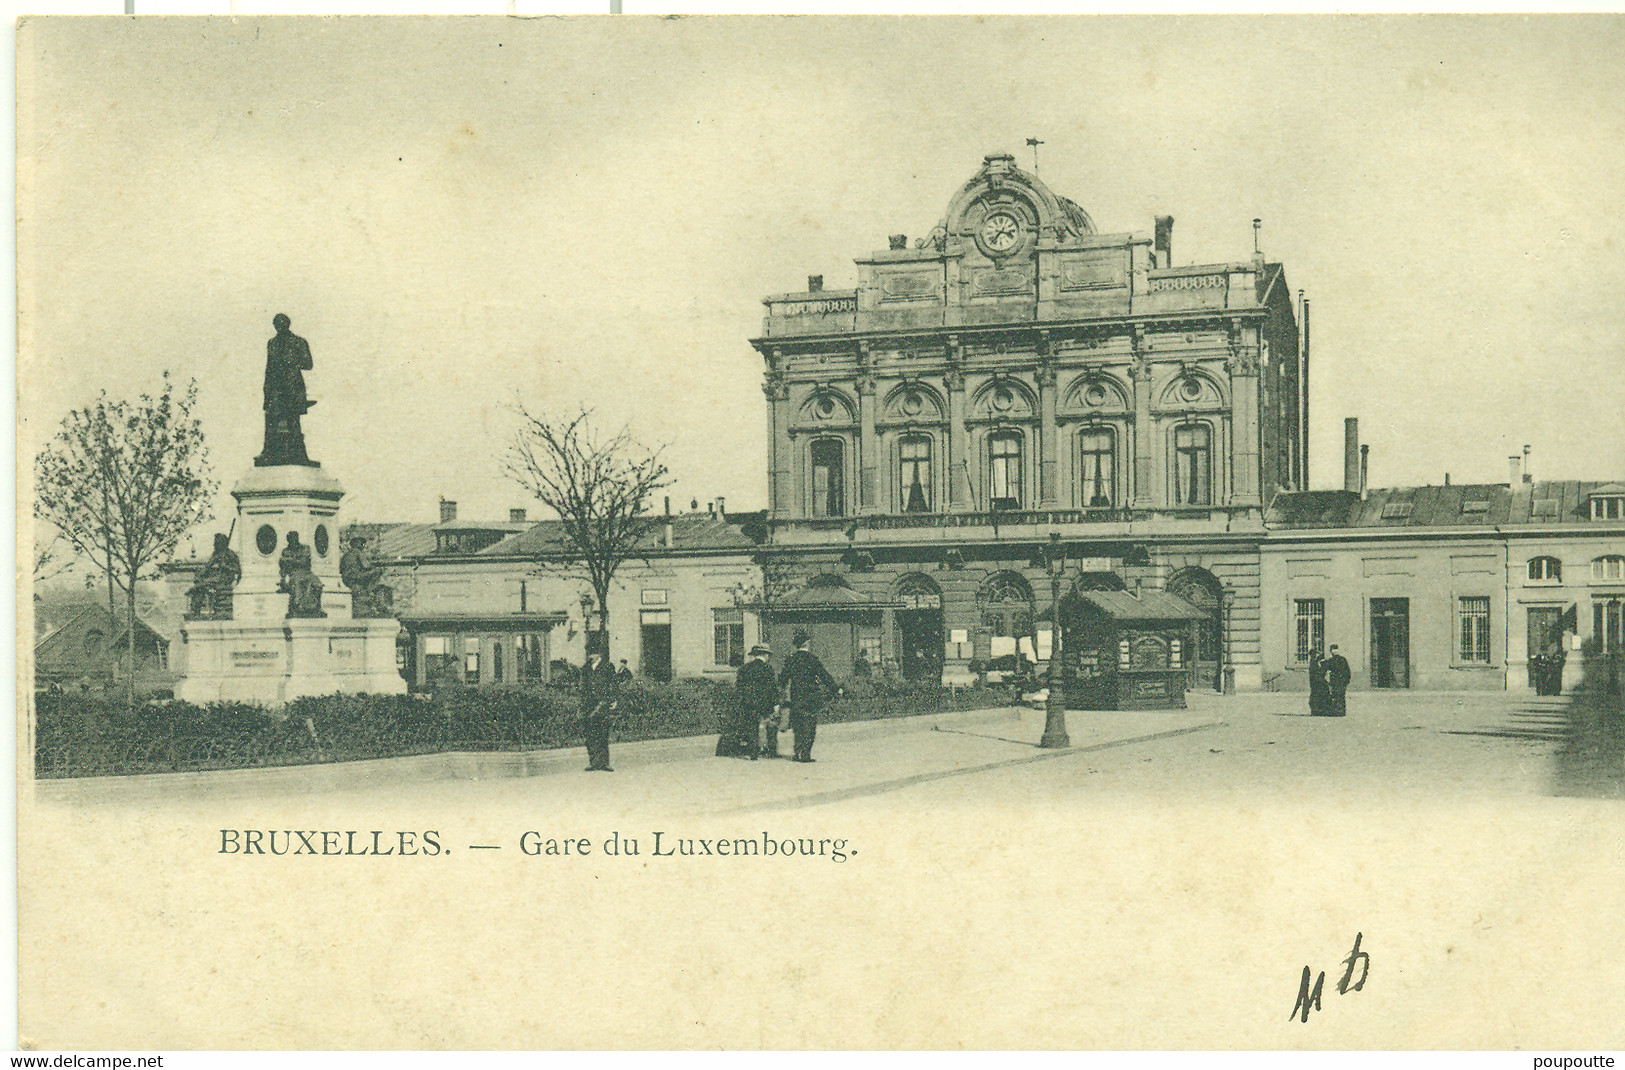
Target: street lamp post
{"type": "Point", "coordinates": [1055, 704]}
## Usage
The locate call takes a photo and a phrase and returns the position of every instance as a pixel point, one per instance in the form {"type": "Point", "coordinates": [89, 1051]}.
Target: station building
{"type": "Point", "coordinates": [1017, 404]}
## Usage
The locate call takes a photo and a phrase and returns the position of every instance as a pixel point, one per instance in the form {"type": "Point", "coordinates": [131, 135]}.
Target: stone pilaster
{"type": "Point", "coordinates": [1048, 431]}
{"type": "Point", "coordinates": [1146, 454]}
{"type": "Point", "coordinates": [870, 497]}
{"type": "Point", "coordinates": [960, 498]}
{"type": "Point", "coordinates": [1244, 432]}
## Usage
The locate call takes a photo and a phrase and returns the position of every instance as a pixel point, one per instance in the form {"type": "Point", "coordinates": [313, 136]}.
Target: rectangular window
{"type": "Point", "coordinates": [1311, 627]}
{"type": "Point", "coordinates": [1545, 568]}
{"type": "Point", "coordinates": [1607, 626]}
{"type": "Point", "coordinates": [1608, 568]}
{"type": "Point", "coordinates": [1474, 614]}
{"type": "Point", "coordinates": [439, 663]}
{"type": "Point", "coordinates": [471, 659]}
{"type": "Point", "coordinates": [914, 476]}
{"type": "Point", "coordinates": [1004, 467]}
{"type": "Point", "coordinates": [1193, 465]}
{"type": "Point", "coordinates": [728, 630]}
{"type": "Point", "coordinates": [527, 659]}
{"type": "Point", "coordinates": [1098, 467]}
{"type": "Point", "coordinates": [828, 478]}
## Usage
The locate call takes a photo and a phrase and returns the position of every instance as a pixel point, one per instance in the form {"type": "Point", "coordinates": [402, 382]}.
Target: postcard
{"type": "Point", "coordinates": [821, 533]}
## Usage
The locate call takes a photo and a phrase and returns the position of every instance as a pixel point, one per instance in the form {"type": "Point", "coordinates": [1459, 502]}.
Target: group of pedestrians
{"type": "Point", "coordinates": [752, 730]}
{"type": "Point", "coordinates": [804, 685]}
{"type": "Point", "coordinates": [1328, 684]}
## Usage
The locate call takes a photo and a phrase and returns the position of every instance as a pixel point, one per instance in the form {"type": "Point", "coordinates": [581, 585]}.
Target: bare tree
{"type": "Point", "coordinates": [600, 487]}
{"type": "Point", "coordinates": [123, 482]}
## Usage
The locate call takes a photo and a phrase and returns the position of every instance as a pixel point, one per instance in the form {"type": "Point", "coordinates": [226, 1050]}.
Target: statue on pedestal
{"type": "Point", "coordinates": [369, 596]}
{"type": "Point", "coordinates": [287, 358]}
{"type": "Point", "coordinates": [303, 587]}
{"type": "Point", "coordinates": [210, 597]}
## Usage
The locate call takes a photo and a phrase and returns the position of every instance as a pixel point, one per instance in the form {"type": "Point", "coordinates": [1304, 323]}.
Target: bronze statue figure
{"type": "Point", "coordinates": [210, 596]}
{"type": "Point", "coordinates": [287, 358]}
{"type": "Point", "coordinates": [369, 596]}
{"type": "Point", "coordinates": [303, 587]}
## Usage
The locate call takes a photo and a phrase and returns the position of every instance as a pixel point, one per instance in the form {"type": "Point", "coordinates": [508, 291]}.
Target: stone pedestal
{"type": "Point", "coordinates": [262, 655]}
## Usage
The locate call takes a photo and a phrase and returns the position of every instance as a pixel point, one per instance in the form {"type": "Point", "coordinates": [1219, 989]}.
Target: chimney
{"type": "Point", "coordinates": [668, 522]}
{"type": "Point", "coordinates": [1512, 470]}
{"type": "Point", "coordinates": [1447, 479]}
{"type": "Point", "coordinates": [722, 509]}
{"type": "Point", "coordinates": [448, 511]}
{"type": "Point", "coordinates": [899, 241]}
{"type": "Point", "coordinates": [1528, 476]}
{"type": "Point", "coordinates": [516, 516]}
{"type": "Point", "coordinates": [710, 508]}
{"type": "Point", "coordinates": [1164, 242]}
{"type": "Point", "coordinates": [1351, 455]}
{"type": "Point", "coordinates": [1365, 455]}
{"type": "Point", "coordinates": [815, 284]}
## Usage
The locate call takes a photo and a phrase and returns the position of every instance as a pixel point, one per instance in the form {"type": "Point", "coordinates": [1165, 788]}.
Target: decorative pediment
{"type": "Point", "coordinates": [826, 406]}
{"type": "Point", "coordinates": [1192, 388]}
{"type": "Point", "coordinates": [1094, 392]}
{"type": "Point", "coordinates": [913, 403]}
{"type": "Point", "coordinates": [1003, 211]}
{"type": "Point", "coordinates": [1004, 398]}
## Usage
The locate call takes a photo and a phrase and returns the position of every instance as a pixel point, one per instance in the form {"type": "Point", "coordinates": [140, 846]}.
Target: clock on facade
{"type": "Point", "coordinates": [1000, 232]}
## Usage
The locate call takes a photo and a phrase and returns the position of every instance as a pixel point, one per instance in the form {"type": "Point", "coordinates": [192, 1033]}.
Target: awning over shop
{"type": "Point", "coordinates": [1152, 606]}
{"type": "Point", "coordinates": [831, 600]}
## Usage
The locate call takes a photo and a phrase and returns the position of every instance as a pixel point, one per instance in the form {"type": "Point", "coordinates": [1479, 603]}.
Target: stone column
{"type": "Point", "coordinates": [1244, 458]}
{"type": "Point", "coordinates": [1048, 432]}
{"type": "Point", "coordinates": [1146, 454]}
{"type": "Point", "coordinates": [779, 488]}
{"type": "Point", "coordinates": [960, 498]}
{"type": "Point", "coordinates": [869, 498]}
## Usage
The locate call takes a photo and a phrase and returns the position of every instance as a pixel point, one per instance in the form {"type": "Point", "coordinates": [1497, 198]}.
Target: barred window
{"type": "Point", "coordinates": [1311, 626]}
{"type": "Point", "coordinates": [728, 629]}
{"type": "Point", "coordinates": [1474, 614]}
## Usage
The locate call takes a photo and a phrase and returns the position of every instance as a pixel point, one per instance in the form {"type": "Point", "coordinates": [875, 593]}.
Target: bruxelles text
{"type": "Point", "coordinates": [429, 844]}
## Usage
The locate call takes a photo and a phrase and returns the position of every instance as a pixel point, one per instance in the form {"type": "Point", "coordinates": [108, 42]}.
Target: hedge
{"type": "Point", "coordinates": [79, 735]}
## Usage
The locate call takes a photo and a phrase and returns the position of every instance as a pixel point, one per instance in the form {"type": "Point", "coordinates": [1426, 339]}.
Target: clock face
{"type": "Point", "coordinates": [1000, 231]}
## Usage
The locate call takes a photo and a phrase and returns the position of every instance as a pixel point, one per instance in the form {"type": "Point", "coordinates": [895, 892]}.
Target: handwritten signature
{"type": "Point", "coordinates": [1309, 998]}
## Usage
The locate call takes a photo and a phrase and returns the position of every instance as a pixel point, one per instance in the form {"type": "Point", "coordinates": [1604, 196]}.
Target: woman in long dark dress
{"type": "Point", "coordinates": [1320, 691]}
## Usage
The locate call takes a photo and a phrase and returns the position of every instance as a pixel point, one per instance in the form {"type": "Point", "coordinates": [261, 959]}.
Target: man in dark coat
{"type": "Point", "coordinates": [808, 686]}
{"type": "Point", "coordinates": [599, 697]}
{"type": "Point", "coordinates": [1319, 692]}
{"type": "Point", "coordinates": [1337, 680]}
{"type": "Point", "coordinates": [756, 695]}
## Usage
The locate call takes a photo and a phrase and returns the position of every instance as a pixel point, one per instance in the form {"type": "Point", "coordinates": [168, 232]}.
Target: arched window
{"type": "Point", "coordinates": [828, 477]}
{"type": "Point", "coordinates": [1097, 467]}
{"type": "Point", "coordinates": [1004, 469]}
{"type": "Point", "coordinates": [914, 473]}
{"type": "Point", "coordinates": [1193, 465]}
{"type": "Point", "coordinates": [1610, 568]}
{"type": "Point", "coordinates": [1548, 569]}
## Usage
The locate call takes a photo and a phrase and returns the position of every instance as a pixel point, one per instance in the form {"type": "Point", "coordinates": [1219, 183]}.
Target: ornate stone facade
{"type": "Point", "coordinates": [1018, 380]}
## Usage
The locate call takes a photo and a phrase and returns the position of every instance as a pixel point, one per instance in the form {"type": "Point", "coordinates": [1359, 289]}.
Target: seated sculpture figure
{"type": "Point", "coordinates": [210, 597]}
{"type": "Point", "coordinates": [303, 587]}
{"type": "Point", "coordinates": [369, 596]}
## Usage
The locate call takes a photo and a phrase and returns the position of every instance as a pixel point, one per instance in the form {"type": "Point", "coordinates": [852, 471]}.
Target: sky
{"type": "Point", "coordinates": [465, 215]}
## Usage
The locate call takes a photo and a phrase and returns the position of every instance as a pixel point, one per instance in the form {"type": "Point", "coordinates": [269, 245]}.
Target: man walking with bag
{"type": "Point", "coordinates": [809, 686]}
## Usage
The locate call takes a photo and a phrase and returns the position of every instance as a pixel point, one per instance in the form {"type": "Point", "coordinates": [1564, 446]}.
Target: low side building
{"type": "Point", "coordinates": [487, 604]}
{"type": "Point", "coordinates": [1463, 587]}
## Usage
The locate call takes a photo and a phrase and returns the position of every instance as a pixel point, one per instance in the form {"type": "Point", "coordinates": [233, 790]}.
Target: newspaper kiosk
{"type": "Point", "coordinates": [1122, 651]}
